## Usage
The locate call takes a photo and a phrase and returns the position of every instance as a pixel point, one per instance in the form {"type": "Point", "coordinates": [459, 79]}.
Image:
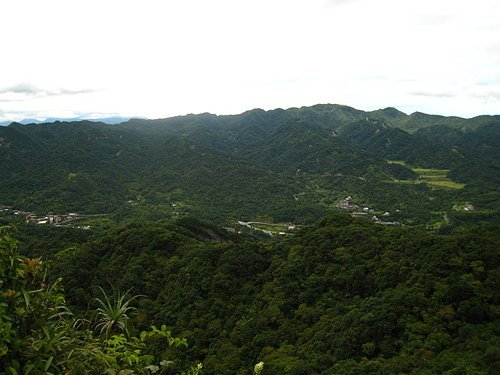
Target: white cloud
{"type": "Point", "coordinates": [161, 58]}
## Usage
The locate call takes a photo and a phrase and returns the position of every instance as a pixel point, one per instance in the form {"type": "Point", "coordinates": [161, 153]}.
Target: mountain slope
{"type": "Point", "coordinates": [342, 296]}
{"type": "Point", "coordinates": [390, 143]}
{"type": "Point", "coordinates": [290, 164]}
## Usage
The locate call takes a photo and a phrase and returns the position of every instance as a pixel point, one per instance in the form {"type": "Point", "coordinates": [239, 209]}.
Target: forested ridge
{"type": "Point", "coordinates": [386, 261]}
{"type": "Point", "coordinates": [287, 165]}
{"type": "Point", "coordinates": [342, 296]}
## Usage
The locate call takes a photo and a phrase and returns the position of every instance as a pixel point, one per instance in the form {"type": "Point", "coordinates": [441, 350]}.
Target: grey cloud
{"type": "Point", "coordinates": [26, 91]}
{"type": "Point", "coordinates": [74, 92]}
{"type": "Point", "coordinates": [434, 94]}
{"type": "Point", "coordinates": [487, 95]}
{"type": "Point", "coordinates": [20, 88]}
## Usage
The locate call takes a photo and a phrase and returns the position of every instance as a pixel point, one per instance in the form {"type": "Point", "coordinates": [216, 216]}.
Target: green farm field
{"type": "Point", "coordinates": [435, 178]}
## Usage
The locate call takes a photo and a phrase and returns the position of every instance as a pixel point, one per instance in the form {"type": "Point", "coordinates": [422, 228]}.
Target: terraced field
{"type": "Point", "coordinates": [435, 178]}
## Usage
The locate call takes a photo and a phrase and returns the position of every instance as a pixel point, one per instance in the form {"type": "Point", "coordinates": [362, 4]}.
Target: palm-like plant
{"type": "Point", "coordinates": [113, 313]}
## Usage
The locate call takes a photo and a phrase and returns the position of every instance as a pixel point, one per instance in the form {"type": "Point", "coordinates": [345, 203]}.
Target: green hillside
{"type": "Point", "coordinates": [289, 165]}
{"type": "Point", "coordinates": [342, 296]}
{"type": "Point", "coordinates": [312, 240]}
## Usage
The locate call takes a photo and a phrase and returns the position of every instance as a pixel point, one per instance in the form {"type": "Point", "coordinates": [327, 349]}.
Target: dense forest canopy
{"type": "Point", "coordinates": [313, 240]}
{"type": "Point", "coordinates": [342, 296]}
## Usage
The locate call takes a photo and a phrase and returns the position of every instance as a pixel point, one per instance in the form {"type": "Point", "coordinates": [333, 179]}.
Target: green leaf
{"type": "Point", "coordinates": [49, 362]}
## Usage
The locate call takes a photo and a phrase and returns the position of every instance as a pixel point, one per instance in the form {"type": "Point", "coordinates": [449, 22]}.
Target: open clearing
{"type": "Point", "coordinates": [435, 178]}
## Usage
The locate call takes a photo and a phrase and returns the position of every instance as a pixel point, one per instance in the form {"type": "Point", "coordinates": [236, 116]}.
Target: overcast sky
{"type": "Point", "coordinates": [163, 58]}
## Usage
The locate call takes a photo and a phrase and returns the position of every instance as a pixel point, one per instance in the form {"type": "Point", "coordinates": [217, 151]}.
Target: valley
{"type": "Point", "coordinates": [312, 240]}
{"type": "Point", "coordinates": [292, 165]}
{"type": "Point", "coordinates": [180, 194]}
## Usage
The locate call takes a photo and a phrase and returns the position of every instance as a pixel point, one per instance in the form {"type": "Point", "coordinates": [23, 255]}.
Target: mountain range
{"type": "Point", "coordinates": [106, 120]}
{"type": "Point", "coordinates": [173, 235]}
{"type": "Point", "coordinates": [284, 165]}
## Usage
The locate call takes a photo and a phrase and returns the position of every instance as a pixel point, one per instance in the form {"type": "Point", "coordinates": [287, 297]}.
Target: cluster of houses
{"type": "Point", "coordinates": [12, 211]}
{"type": "Point", "coordinates": [348, 204]}
{"type": "Point", "coordinates": [378, 221]}
{"type": "Point", "coordinates": [56, 219]}
{"type": "Point", "coordinates": [52, 219]}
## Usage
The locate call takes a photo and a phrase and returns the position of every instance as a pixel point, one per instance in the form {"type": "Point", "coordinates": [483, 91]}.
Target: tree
{"type": "Point", "coordinates": [38, 333]}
